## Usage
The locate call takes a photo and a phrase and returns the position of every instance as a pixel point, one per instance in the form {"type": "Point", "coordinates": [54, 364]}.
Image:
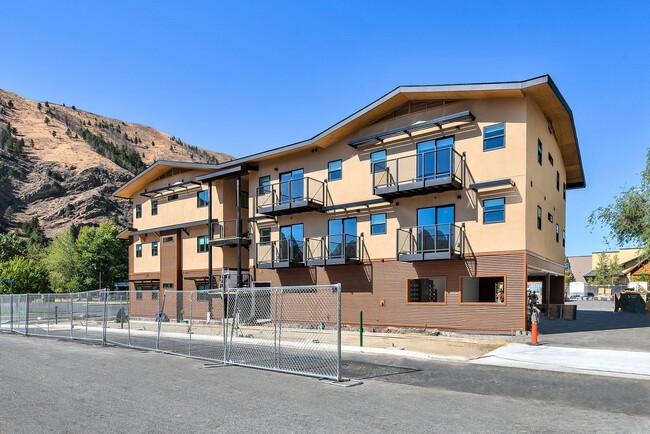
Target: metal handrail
{"type": "Point", "coordinates": [282, 193]}
{"type": "Point", "coordinates": [414, 168]}
{"type": "Point", "coordinates": [279, 251]}
{"type": "Point", "coordinates": [225, 229]}
{"type": "Point", "coordinates": [430, 239]}
{"type": "Point", "coordinates": [331, 247]}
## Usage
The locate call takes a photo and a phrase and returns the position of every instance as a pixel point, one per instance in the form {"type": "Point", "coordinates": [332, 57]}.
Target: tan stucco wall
{"type": "Point", "coordinates": [543, 191]}
{"type": "Point", "coordinates": [147, 263]}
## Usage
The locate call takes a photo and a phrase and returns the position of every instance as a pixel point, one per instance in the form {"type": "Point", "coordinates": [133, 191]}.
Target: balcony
{"type": "Point", "coordinates": [279, 254]}
{"type": "Point", "coordinates": [224, 233]}
{"type": "Point", "coordinates": [428, 243]}
{"type": "Point", "coordinates": [290, 197]}
{"type": "Point", "coordinates": [428, 172]}
{"type": "Point", "coordinates": [334, 250]}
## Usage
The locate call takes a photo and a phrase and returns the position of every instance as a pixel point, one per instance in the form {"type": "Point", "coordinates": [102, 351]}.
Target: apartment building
{"type": "Point", "coordinates": [433, 206]}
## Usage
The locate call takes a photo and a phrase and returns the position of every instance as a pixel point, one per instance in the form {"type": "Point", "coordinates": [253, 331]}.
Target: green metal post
{"type": "Point", "coordinates": [360, 328]}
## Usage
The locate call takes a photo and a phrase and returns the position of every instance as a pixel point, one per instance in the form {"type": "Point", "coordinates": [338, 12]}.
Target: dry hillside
{"type": "Point", "coordinates": [61, 163]}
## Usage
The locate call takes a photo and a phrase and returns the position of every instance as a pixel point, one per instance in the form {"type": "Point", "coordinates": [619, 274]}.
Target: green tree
{"type": "Point", "coordinates": [607, 270]}
{"type": "Point", "coordinates": [29, 276]}
{"type": "Point", "coordinates": [628, 217]}
{"type": "Point", "coordinates": [32, 230]}
{"type": "Point", "coordinates": [568, 273]}
{"type": "Point", "coordinates": [60, 261]}
{"type": "Point", "coordinates": [99, 250]}
{"type": "Point", "coordinates": [11, 246]}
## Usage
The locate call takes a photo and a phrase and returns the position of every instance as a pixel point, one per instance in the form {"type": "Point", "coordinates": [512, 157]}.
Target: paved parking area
{"type": "Point", "coordinates": [598, 326]}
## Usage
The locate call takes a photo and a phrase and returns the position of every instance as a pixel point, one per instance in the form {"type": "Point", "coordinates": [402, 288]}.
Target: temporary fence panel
{"type": "Point", "coordinates": [192, 324]}
{"type": "Point", "coordinates": [289, 329]}
{"type": "Point", "coordinates": [5, 313]}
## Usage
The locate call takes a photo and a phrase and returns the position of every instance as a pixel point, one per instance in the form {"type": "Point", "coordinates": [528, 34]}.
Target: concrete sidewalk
{"type": "Point", "coordinates": [629, 364]}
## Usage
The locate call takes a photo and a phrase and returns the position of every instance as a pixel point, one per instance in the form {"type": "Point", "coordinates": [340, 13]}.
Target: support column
{"type": "Point", "coordinates": [210, 232]}
{"type": "Point", "coordinates": [239, 232]}
{"type": "Point", "coordinates": [547, 290]}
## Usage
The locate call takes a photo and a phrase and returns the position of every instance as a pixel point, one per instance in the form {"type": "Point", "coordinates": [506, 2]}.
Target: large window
{"type": "Point", "coordinates": [154, 248]}
{"type": "Point", "coordinates": [494, 210]}
{"type": "Point", "coordinates": [202, 198]}
{"type": "Point", "coordinates": [426, 290]}
{"type": "Point", "coordinates": [539, 152]}
{"type": "Point", "coordinates": [265, 235]}
{"type": "Point", "coordinates": [202, 244]}
{"type": "Point", "coordinates": [539, 218]}
{"type": "Point", "coordinates": [377, 224]}
{"type": "Point", "coordinates": [494, 137]}
{"type": "Point", "coordinates": [483, 289]}
{"type": "Point", "coordinates": [154, 207]}
{"type": "Point", "coordinates": [138, 250]}
{"type": "Point", "coordinates": [138, 211]}
{"type": "Point", "coordinates": [378, 161]}
{"type": "Point", "coordinates": [334, 170]}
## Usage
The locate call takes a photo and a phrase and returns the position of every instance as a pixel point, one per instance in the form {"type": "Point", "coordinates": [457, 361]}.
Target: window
{"type": "Point", "coordinates": [202, 296]}
{"type": "Point", "coordinates": [557, 233]}
{"type": "Point", "coordinates": [427, 290]}
{"type": "Point", "coordinates": [378, 161]}
{"type": "Point", "coordinates": [557, 181]}
{"type": "Point", "coordinates": [550, 217]}
{"type": "Point", "coordinates": [172, 197]}
{"type": "Point", "coordinates": [202, 244]}
{"type": "Point", "coordinates": [563, 238]}
{"type": "Point", "coordinates": [168, 239]}
{"type": "Point", "coordinates": [494, 137]}
{"type": "Point", "coordinates": [138, 211]}
{"type": "Point", "coordinates": [484, 289]}
{"type": "Point", "coordinates": [138, 293]}
{"type": "Point", "coordinates": [154, 248]}
{"type": "Point", "coordinates": [265, 184]}
{"type": "Point", "coordinates": [334, 170]}
{"type": "Point", "coordinates": [202, 198]}
{"type": "Point", "coordinates": [138, 250]}
{"type": "Point", "coordinates": [377, 224]}
{"type": "Point", "coordinates": [539, 218]}
{"type": "Point", "coordinates": [265, 235]}
{"type": "Point", "coordinates": [539, 152]}
{"type": "Point", "coordinates": [494, 210]}
{"type": "Point", "coordinates": [154, 207]}
{"type": "Point", "coordinates": [243, 199]}
{"type": "Point", "coordinates": [550, 158]}
{"type": "Point", "coordinates": [564, 190]}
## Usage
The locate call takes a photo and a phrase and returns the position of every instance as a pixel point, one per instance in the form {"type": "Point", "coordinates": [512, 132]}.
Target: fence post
{"type": "Point", "coordinates": [338, 332]}
{"type": "Point", "coordinates": [49, 312]}
{"type": "Point", "coordinates": [104, 295]}
{"type": "Point", "coordinates": [189, 331]}
{"type": "Point", "coordinates": [224, 318]}
{"type": "Point", "coordinates": [71, 313]}
{"type": "Point", "coordinates": [159, 317]}
{"type": "Point", "coordinates": [11, 313]}
{"type": "Point", "coordinates": [128, 318]}
{"type": "Point", "coordinates": [280, 333]}
{"type": "Point", "coordinates": [87, 313]}
{"type": "Point", "coordinates": [26, 314]}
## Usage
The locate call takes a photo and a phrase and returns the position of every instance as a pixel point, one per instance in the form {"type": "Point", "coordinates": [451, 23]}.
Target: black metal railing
{"type": "Point", "coordinates": [430, 242]}
{"type": "Point", "coordinates": [226, 229]}
{"type": "Point", "coordinates": [282, 253]}
{"type": "Point", "coordinates": [290, 194]}
{"type": "Point", "coordinates": [337, 248]}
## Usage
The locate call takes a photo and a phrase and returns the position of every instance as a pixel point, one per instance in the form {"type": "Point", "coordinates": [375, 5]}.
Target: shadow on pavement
{"type": "Point", "coordinates": [592, 320]}
{"type": "Point", "coordinates": [364, 370]}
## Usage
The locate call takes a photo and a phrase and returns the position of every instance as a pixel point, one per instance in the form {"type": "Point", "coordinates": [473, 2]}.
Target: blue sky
{"type": "Point", "coordinates": [240, 77]}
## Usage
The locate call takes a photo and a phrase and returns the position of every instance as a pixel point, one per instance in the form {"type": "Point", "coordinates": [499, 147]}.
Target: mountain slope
{"type": "Point", "coordinates": [61, 164]}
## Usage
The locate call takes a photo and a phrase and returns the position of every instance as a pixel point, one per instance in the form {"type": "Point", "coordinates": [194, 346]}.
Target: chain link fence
{"type": "Point", "coordinates": [287, 329]}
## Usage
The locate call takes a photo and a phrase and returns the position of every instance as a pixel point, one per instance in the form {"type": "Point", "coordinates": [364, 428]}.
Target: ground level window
{"type": "Point", "coordinates": [202, 296]}
{"type": "Point", "coordinates": [485, 289]}
{"type": "Point", "coordinates": [426, 290]}
{"type": "Point", "coordinates": [154, 292]}
{"type": "Point", "coordinates": [138, 293]}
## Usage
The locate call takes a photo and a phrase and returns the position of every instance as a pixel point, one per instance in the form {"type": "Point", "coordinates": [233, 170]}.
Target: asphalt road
{"type": "Point", "coordinates": [50, 386]}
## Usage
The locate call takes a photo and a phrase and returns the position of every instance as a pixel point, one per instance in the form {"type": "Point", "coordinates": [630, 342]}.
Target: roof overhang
{"type": "Point", "coordinates": [231, 172]}
{"type": "Point", "coordinates": [155, 171]}
{"type": "Point", "coordinates": [541, 89]}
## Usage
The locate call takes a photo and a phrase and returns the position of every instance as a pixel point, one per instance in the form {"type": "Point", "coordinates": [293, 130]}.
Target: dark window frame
{"type": "Point", "coordinates": [564, 190]}
{"type": "Point", "coordinates": [331, 171]}
{"type": "Point", "coordinates": [201, 201]}
{"type": "Point", "coordinates": [409, 300]}
{"type": "Point", "coordinates": [373, 163]}
{"type": "Point", "coordinates": [138, 211]}
{"type": "Point", "coordinates": [264, 183]}
{"type": "Point", "coordinates": [154, 207]}
{"type": "Point", "coordinates": [494, 211]}
{"type": "Point", "coordinates": [557, 233]}
{"type": "Point", "coordinates": [138, 250]}
{"type": "Point", "coordinates": [557, 180]}
{"type": "Point", "coordinates": [374, 225]}
{"type": "Point", "coordinates": [540, 151]}
{"type": "Point", "coordinates": [494, 138]}
{"type": "Point", "coordinates": [539, 217]}
{"type": "Point", "coordinates": [550, 217]}
{"type": "Point", "coordinates": [263, 238]}
{"type": "Point", "coordinates": [550, 159]}
{"type": "Point", "coordinates": [154, 248]}
{"type": "Point", "coordinates": [563, 238]}
{"type": "Point", "coordinates": [138, 292]}
{"type": "Point", "coordinates": [202, 247]}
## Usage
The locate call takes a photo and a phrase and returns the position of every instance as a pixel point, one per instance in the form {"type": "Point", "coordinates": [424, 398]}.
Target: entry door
{"type": "Point", "coordinates": [291, 243]}
{"type": "Point", "coordinates": [291, 186]}
{"type": "Point", "coordinates": [435, 158]}
{"type": "Point", "coordinates": [435, 228]}
{"type": "Point", "coordinates": [342, 235]}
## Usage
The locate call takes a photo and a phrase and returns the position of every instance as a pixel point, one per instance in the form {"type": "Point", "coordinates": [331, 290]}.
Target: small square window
{"type": "Point", "coordinates": [265, 235]}
{"type": "Point", "coordinates": [154, 248]}
{"type": "Point", "coordinates": [202, 198]}
{"type": "Point", "coordinates": [138, 211]}
{"type": "Point", "coordinates": [138, 250]}
{"type": "Point", "coordinates": [378, 161]}
{"type": "Point", "coordinates": [494, 210]}
{"type": "Point", "coordinates": [334, 170]}
{"type": "Point", "coordinates": [154, 207]}
{"type": "Point", "coordinates": [494, 137]}
{"type": "Point", "coordinates": [202, 244]}
{"type": "Point", "coordinates": [550, 217]}
{"type": "Point", "coordinates": [378, 224]}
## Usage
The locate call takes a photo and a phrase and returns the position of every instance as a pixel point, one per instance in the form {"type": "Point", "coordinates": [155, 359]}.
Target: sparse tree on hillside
{"type": "Point", "coordinates": [39, 106]}
{"type": "Point", "coordinates": [10, 104]}
{"type": "Point", "coordinates": [53, 133]}
{"type": "Point", "coordinates": [47, 104]}
{"type": "Point", "coordinates": [47, 120]}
